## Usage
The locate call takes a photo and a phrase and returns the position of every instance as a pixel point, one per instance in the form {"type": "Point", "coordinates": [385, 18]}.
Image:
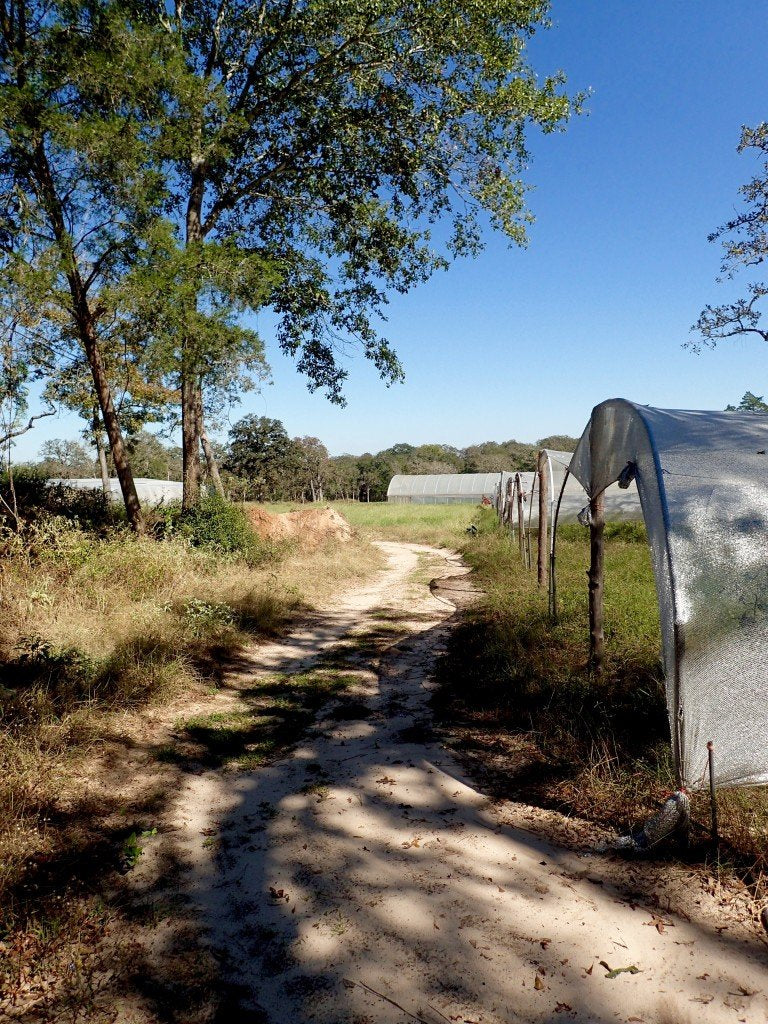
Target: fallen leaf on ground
{"type": "Point", "coordinates": [614, 972]}
{"type": "Point", "coordinates": [538, 984]}
{"type": "Point", "coordinates": [659, 923]}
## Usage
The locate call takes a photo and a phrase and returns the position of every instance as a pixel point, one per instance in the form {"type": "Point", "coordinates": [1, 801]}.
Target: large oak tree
{"type": "Point", "coordinates": [328, 136]}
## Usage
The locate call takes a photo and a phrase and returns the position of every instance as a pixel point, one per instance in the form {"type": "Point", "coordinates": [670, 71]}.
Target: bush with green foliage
{"type": "Point", "coordinates": [28, 498]}
{"type": "Point", "coordinates": [213, 523]}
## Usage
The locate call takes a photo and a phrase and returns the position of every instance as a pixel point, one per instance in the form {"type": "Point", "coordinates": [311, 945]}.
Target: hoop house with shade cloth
{"type": "Point", "coordinates": [445, 488]}
{"type": "Point", "coordinates": [513, 481]}
{"type": "Point", "coordinates": [703, 484]}
{"type": "Point", "coordinates": [620, 505]}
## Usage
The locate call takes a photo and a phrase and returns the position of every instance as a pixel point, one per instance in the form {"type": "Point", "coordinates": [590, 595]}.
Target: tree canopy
{"type": "Point", "coordinates": [745, 246]}
{"type": "Point", "coordinates": [166, 169]}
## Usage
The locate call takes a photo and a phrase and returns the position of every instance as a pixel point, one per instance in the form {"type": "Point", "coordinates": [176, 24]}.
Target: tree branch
{"type": "Point", "coordinates": [9, 435]}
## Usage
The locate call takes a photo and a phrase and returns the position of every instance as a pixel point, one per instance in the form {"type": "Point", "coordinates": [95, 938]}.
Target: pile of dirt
{"type": "Point", "coordinates": [310, 527]}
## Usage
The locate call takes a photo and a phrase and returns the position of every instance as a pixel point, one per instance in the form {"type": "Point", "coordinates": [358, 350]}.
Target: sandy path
{"type": "Point", "coordinates": [365, 866]}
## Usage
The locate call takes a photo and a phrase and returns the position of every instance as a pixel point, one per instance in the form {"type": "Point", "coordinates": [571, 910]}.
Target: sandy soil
{"type": "Point", "coordinates": [310, 527]}
{"type": "Point", "coordinates": [365, 879]}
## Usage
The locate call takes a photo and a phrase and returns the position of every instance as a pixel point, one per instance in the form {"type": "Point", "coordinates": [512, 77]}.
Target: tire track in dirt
{"type": "Point", "coordinates": [364, 879]}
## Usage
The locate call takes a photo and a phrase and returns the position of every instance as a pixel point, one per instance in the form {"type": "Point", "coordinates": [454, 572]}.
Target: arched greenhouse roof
{"type": "Point", "coordinates": [442, 488]}
{"type": "Point", "coordinates": [620, 504]}
{"type": "Point", "coordinates": [150, 492]}
{"type": "Point", "coordinates": [702, 479]}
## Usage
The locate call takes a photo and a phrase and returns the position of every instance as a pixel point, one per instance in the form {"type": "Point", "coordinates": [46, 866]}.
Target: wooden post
{"type": "Point", "coordinates": [596, 560]}
{"type": "Point", "coordinates": [542, 560]}
{"type": "Point", "coordinates": [520, 518]}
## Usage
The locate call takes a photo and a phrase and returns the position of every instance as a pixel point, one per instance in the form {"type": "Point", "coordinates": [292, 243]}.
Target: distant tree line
{"type": "Point", "coordinates": [262, 463]}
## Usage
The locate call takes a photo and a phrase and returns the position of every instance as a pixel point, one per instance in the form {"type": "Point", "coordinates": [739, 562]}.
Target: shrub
{"type": "Point", "coordinates": [213, 523]}
{"type": "Point", "coordinates": [35, 499]}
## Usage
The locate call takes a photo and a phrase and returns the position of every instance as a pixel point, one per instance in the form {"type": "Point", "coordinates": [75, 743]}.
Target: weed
{"type": "Point", "coordinates": [337, 923]}
{"type": "Point", "coordinates": [316, 789]}
{"type": "Point", "coordinates": [132, 848]}
{"type": "Point", "coordinates": [216, 524]}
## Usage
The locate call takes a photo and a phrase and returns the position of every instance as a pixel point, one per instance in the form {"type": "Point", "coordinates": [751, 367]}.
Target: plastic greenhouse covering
{"type": "Point", "coordinates": [702, 479]}
{"type": "Point", "coordinates": [150, 492]}
{"type": "Point", "coordinates": [445, 488]}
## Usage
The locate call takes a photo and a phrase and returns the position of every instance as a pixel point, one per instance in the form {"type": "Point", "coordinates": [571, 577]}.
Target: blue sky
{"type": "Point", "coordinates": [522, 343]}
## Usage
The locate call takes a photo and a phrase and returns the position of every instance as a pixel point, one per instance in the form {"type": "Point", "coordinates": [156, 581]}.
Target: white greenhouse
{"type": "Point", "coordinates": [446, 488]}
{"type": "Point", "coordinates": [150, 492]}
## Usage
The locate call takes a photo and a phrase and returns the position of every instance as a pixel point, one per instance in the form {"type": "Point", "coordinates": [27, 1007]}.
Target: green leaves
{"type": "Point", "coordinates": [331, 135]}
{"type": "Point", "coordinates": [745, 245]}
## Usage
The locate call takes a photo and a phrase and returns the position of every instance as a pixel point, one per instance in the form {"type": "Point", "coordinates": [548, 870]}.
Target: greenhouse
{"type": "Point", "coordinates": [702, 480]}
{"type": "Point", "coordinates": [150, 492]}
{"type": "Point", "coordinates": [566, 494]}
{"type": "Point", "coordinates": [446, 488]}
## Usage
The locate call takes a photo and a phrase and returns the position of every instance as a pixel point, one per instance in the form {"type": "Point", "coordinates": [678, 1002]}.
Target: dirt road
{"type": "Point", "coordinates": [364, 879]}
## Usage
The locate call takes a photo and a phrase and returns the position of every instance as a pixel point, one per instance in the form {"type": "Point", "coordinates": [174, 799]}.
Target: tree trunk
{"type": "Point", "coordinates": [542, 560]}
{"type": "Point", "coordinates": [191, 397]}
{"type": "Point", "coordinates": [596, 553]}
{"type": "Point", "coordinates": [86, 330]}
{"type": "Point", "coordinates": [122, 465]}
{"type": "Point", "coordinates": [210, 458]}
{"type": "Point", "coordinates": [100, 450]}
{"type": "Point", "coordinates": [11, 484]}
{"type": "Point", "coordinates": [190, 441]}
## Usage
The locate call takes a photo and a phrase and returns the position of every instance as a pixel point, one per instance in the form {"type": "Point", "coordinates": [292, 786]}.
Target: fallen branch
{"type": "Point", "coordinates": [413, 1016]}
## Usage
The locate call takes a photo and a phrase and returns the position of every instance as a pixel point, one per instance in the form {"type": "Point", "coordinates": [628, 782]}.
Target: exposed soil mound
{"type": "Point", "coordinates": [310, 526]}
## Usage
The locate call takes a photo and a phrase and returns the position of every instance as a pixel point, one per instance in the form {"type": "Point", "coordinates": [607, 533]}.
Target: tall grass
{"type": "Point", "coordinates": [517, 694]}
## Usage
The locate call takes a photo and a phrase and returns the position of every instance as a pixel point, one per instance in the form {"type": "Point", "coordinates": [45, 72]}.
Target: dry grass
{"type": "Point", "coordinates": [94, 631]}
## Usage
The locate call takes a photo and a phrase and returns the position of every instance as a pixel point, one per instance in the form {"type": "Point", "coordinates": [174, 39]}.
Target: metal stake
{"type": "Point", "coordinates": [712, 797]}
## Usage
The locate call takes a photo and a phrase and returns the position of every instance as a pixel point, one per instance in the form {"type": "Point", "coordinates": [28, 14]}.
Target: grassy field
{"type": "Point", "coordinates": [516, 694]}
{"type": "Point", "coordinates": [440, 525]}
